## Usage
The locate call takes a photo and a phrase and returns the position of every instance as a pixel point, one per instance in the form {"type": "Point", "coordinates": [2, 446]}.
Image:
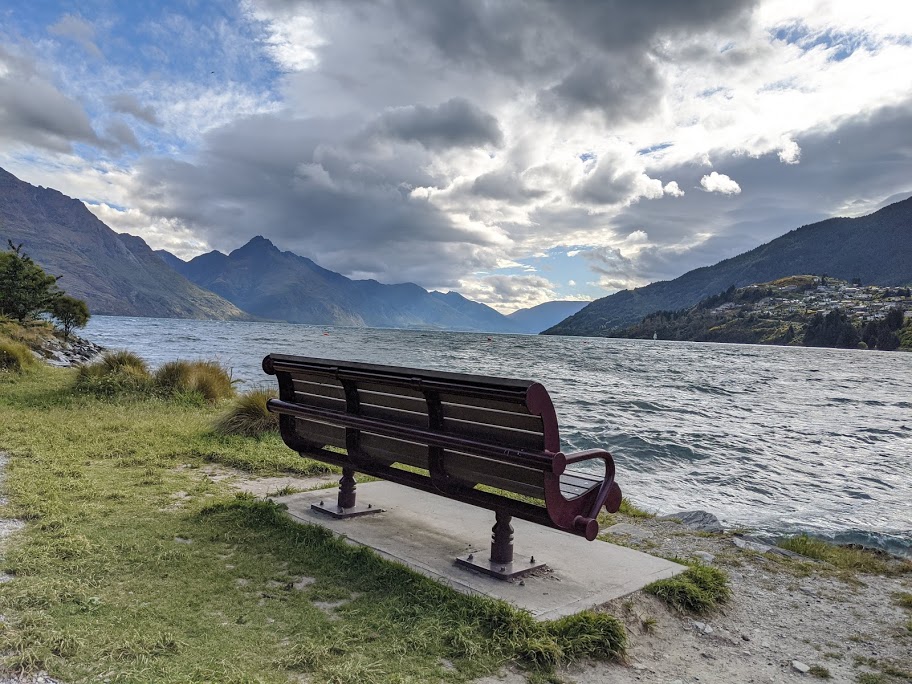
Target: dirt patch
{"type": "Point", "coordinates": [780, 617]}
{"type": "Point", "coordinates": [265, 487]}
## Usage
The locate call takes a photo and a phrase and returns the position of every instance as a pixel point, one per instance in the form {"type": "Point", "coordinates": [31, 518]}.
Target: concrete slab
{"type": "Point", "coordinates": [427, 532]}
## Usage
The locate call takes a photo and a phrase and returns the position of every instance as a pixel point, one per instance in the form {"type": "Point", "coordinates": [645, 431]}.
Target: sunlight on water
{"type": "Point", "coordinates": [772, 438]}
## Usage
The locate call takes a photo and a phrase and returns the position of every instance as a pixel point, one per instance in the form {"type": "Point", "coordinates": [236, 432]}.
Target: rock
{"type": "Point", "coordinates": [699, 626]}
{"type": "Point", "coordinates": [630, 531]}
{"type": "Point", "coordinates": [702, 521]}
{"type": "Point", "coordinates": [704, 556]}
{"type": "Point", "coordinates": [801, 667]}
{"type": "Point", "coordinates": [750, 544]}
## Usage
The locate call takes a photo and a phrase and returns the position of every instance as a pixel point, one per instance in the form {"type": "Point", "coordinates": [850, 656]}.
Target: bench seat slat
{"type": "Point", "coordinates": [321, 401]}
{"type": "Point", "coordinates": [390, 450]}
{"type": "Point", "coordinates": [511, 419]}
{"type": "Point", "coordinates": [483, 402]}
{"type": "Point", "coordinates": [495, 434]}
{"type": "Point", "coordinates": [395, 401]}
{"type": "Point", "coordinates": [396, 416]}
{"type": "Point", "coordinates": [320, 434]}
{"type": "Point", "coordinates": [312, 385]}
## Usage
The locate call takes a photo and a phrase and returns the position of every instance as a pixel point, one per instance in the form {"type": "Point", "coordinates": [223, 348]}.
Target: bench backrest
{"type": "Point", "coordinates": [462, 429]}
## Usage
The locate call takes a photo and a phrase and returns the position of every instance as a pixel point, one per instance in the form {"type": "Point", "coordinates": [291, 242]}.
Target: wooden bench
{"type": "Point", "coordinates": [457, 435]}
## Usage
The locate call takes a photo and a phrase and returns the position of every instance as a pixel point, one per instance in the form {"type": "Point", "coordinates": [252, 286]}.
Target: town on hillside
{"type": "Point", "coordinates": [803, 309]}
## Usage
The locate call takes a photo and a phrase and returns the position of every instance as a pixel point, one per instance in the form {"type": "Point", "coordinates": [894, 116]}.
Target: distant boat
{"type": "Point", "coordinates": [655, 335]}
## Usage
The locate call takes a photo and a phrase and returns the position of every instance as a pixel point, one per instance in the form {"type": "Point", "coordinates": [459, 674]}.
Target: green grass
{"type": "Point", "coordinates": [698, 590]}
{"type": "Point", "coordinates": [119, 577]}
{"type": "Point", "coordinates": [819, 671]}
{"type": "Point", "coordinates": [903, 599]}
{"type": "Point", "coordinates": [247, 415]}
{"type": "Point", "coordinates": [845, 558]}
{"type": "Point", "coordinates": [15, 357]}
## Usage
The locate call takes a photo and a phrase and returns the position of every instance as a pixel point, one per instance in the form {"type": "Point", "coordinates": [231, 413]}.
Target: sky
{"type": "Point", "coordinates": [516, 151]}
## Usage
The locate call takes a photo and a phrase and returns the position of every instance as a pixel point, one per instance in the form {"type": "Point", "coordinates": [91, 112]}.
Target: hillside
{"type": "Point", "coordinates": [786, 311]}
{"type": "Point", "coordinates": [543, 316]}
{"type": "Point", "coordinates": [277, 285]}
{"type": "Point", "coordinates": [114, 274]}
{"type": "Point", "coordinates": [874, 248]}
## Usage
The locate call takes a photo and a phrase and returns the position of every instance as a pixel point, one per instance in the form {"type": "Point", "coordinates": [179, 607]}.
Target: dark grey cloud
{"type": "Point", "coordinates": [506, 185]}
{"type": "Point", "coordinates": [128, 104]}
{"type": "Point", "coordinates": [619, 87]}
{"type": "Point", "coordinates": [323, 195]}
{"type": "Point", "coordinates": [454, 123]}
{"type": "Point", "coordinates": [34, 111]}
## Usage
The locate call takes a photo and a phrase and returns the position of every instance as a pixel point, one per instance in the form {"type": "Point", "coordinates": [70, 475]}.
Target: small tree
{"type": "Point", "coordinates": [25, 289]}
{"type": "Point", "coordinates": [70, 313]}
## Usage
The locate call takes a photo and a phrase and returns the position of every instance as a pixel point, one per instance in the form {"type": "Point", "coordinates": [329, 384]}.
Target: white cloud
{"type": "Point", "coordinates": [671, 188]}
{"type": "Point", "coordinates": [719, 182]}
{"type": "Point", "coordinates": [790, 153]}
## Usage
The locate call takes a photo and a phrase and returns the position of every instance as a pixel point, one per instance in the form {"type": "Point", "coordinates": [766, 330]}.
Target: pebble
{"type": "Point", "coordinates": [801, 667]}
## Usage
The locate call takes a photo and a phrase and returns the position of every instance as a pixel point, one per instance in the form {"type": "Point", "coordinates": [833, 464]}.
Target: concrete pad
{"type": "Point", "coordinates": [427, 532]}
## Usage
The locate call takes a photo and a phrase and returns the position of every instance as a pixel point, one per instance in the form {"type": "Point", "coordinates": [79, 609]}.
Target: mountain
{"type": "Point", "coordinates": [269, 283]}
{"type": "Point", "coordinates": [874, 248]}
{"type": "Point", "coordinates": [538, 318]}
{"type": "Point", "coordinates": [115, 274]}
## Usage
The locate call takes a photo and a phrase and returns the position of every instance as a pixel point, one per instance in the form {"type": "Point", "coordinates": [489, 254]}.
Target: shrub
{"type": "Point", "coordinates": [114, 361]}
{"type": "Point", "coordinates": [111, 376]}
{"type": "Point", "coordinates": [699, 589]}
{"type": "Point", "coordinates": [248, 416]}
{"type": "Point", "coordinates": [209, 379]}
{"type": "Point", "coordinates": [15, 357]}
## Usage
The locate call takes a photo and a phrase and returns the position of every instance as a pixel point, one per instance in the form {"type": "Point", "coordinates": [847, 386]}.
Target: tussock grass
{"type": "Point", "coordinates": [135, 567]}
{"type": "Point", "coordinates": [15, 357]}
{"type": "Point", "coordinates": [207, 379]}
{"type": "Point", "coordinates": [698, 590]}
{"type": "Point", "coordinates": [120, 374]}
{"type": "Point", "coordinates": [631, 510]}
{"type": "Point", "coordinates": [845, 558]}
{"type": "Point", "coordinates": [247, 415]}
{"type": "Point", "coordinates": [903, 599]}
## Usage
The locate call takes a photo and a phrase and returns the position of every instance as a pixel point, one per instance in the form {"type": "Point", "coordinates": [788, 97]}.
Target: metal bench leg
{"type": "Point", "coordinates": [345, 505]}
{"type": "Point", "coordinates": [501, 565]}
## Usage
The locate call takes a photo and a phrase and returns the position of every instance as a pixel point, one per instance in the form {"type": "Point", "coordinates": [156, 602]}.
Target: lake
{"type": "Point", "coordinates": [777, 439]}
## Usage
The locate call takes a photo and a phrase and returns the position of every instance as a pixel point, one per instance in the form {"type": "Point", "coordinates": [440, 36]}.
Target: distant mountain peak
{"type": "Point", "coordinates": [258, 244]}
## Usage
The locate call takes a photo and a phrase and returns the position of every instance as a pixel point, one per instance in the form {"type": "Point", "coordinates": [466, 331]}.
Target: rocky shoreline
{"type": "Point", "coordinates": [76, 351]}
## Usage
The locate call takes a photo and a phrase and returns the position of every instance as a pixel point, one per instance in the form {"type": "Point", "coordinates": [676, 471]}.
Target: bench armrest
{"type": "Point", "coordinates": [609, 493]}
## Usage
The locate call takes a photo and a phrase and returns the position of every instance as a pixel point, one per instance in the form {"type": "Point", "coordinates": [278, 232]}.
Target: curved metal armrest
{"type": "Point", "coordinates": [609, 494]}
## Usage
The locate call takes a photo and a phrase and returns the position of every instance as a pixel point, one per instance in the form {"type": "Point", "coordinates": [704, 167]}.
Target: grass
{"type": "Point", "coordinates": [133, 568]}
{"type": "Point", "coordinates": [123, 374]}
{"type": "Point", "coordinates": [819, 671]}
{"type": "Point", "coordinates": [698, 590]}
{"type": "Point", "coordinates": [15, 357]}
{"type": "Point", "coordinates": [247, 415]}
{"type": "Point", "coordinates": [846, 558]}
{"type": "Point", "coordinates": [903, 599]}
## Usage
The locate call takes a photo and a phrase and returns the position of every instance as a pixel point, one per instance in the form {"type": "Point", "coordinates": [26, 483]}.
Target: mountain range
{"type": "Point", "coordinates": [269, 283]}
{"type": "Point", "coordinates": [116, 274]}
{"type": "Point", "coordinates": [119, 274]}
{"type": "Point", "coordinates": [876, 248]}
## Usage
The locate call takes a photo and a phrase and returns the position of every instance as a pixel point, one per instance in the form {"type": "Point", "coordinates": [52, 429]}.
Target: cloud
{"type": "Point", "coordinates": [509, 293]}
{"type": "Point", "coordinates": [78, 30]}
{"type": "Point", "coordinates": [122, 134]}
{"type": "Point", "coordinates": [454, 123]}
{"type": "Point", "coordinates": [128, 104]}
{"type": "Point", "coordinates": [719, 182]}
{"type": "Point", "coordinates": [671, 188]}
{"type": "Point", "coordinates": [790, 153]}
{"type": "Point", "coordinates": [35, 112]}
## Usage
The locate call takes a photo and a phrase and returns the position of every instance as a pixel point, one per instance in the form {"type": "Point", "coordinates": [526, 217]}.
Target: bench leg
{"type": "Point", "coordinates": [347, 489]}
{"type": "Point", "coordinates": [501, 565]}
{"type": "Point", "coordinates": [345, 505]}
{"type": "Point", "coordinates": [502, 539]}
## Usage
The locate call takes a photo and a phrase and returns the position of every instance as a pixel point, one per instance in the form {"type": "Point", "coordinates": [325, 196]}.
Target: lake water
{"type": "Point", "coordinates": [772, 438]}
